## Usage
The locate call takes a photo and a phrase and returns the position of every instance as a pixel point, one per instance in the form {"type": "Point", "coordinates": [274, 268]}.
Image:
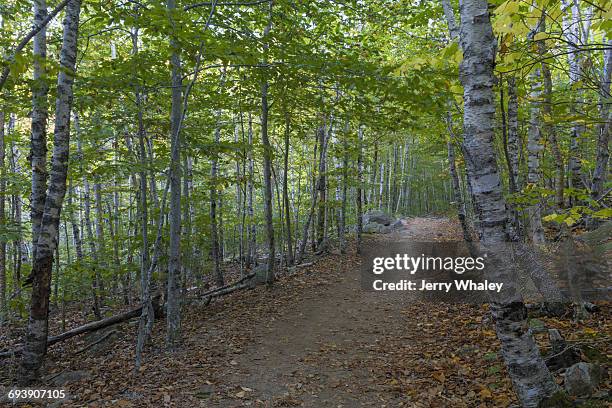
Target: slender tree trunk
{"type": "Point", "coordinates": [147, 317]}
{"type": "Point", "coordinates": [3, 309]}
{"type": "Point", "coordinates": [35, 346]}
{"type": "Point", "coordinates": [457, 197]}
{"type": "Point", "coordinates": [549, 127]}
{"type": "Point", "coordinates": [359, 187]}
{"type": "Point", "coordinates": [288, 233]}
{"type": "Point", "coordinates": [174, 261]}
{"type": "Point", "coordinates": [371, 196]}
{"type": "Point", "coordinates": [313, 205]}
{"type": "Point", "coordinates": [267, 162]}
{"type": "Point", "coordinates": [322, 186]}
{"type": "Point", "coordinates": [214, 232]}
{"type": "Point", "coordinates": [573, 33]}
{"type": "Point", "coordinates": [513, 219]}
{"type": "Point", "coordinates": [530, 376]}
{"type": "Point", "coordinates": [534, 148]}
{"type": "Point", "coordinates": [76, 233]}
{"type": "Point", "coordinates": [187, 259]}
{"type": "Point", "coordinates": [514, 141]}
{"type": "Point", "coordinates": [240, 213]}
{"type": "Point", "coordinates": [21, 252]}
{"type": "Point", "coordinates": [600, 174]}
{"type": "Point", "coordinates": [252, 231]}
{"type": "Point", "coordinates": [96, 281]}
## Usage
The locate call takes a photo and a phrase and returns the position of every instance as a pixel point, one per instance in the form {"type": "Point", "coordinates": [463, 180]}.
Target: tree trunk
{"type": "Point", "coordinates": [534, 147]}
{"type": "Point", "coordinates": [549, 126]}
{"type": "Point", "coordinates": [530, 376]}
{"type": "Point", "coordinates": [147, 316]}
{"type": "Point", "coordinates": [313, 205]}
{"type": "Point", "coordinates": [457, 197]}
{"type": "Point", "coordinates": [267, 162]}
{"type": "Point", "coordinates": [252, 231]}
{"type": "Point", "coordinates": [174, 261]}
{"type": "Point", "coordinates": [3, 309]}
{"type": "Point", "coordinates": [359, 187]}
{"type": "Point", "coordinates": [574, 35]}
{"type": "Point", "coordinates": [96, 281]}
{"type": "Point", "coordinates": [288, 233]}
{"type": "Point", "coordinates": [38, 152]}
{"type": "Point", "coordinates": [21, 250]}
{"type": "Point", "coordinates": [514, 141]}
{"type": "Point", "coordinates": [214, 234]}
{"type": "Point", "coordinates": [36, 337]}
{"type": "Point", "coordinates": [600, 174]}
{"type": "Point", "coordinates": [322, 185]}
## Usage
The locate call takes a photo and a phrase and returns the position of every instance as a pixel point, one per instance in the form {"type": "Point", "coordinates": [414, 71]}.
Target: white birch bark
{"type": "Point", "coordinates": [38, 153]}
{"type": "Point", "coordinates": [530, 376]}
{"type": "Point", "coordinates": [35, 346]}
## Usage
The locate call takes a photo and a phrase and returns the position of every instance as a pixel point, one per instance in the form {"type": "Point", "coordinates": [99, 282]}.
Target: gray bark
{"type": "Point", "coordinates": [214, 235]}
{"type": "Point", "coordinates": [287, 207]}
{"type": "Point", "coordinates": [514, 141]}
{"type": "Point", "coordinates": [267, 162]}
{"type": "Point", "coordinates": [96, 281]}
{"type": "Point", "coordinates": [252, 231]}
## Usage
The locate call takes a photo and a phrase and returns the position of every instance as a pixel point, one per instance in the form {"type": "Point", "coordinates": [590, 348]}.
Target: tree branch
{"type": "Point", "coordinates": [35, 29]}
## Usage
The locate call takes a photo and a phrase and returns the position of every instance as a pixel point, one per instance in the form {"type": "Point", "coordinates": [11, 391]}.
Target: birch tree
{"type": "Point", "coordinates": [530, 376]}
{"type": "Point", "coordinates": [35, 346]}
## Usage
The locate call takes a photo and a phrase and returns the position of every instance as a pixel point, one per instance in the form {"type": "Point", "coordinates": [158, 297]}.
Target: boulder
{"type": "Point", "coordinates": [582, 379]}
{"type": "Point", "coordinates": [377, 217]}
{"type": "Point", "coordinates": [374, 228]}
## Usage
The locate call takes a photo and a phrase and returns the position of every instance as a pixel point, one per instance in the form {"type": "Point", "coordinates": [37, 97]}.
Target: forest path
{"type": "Point", "coordinates": [341, 346]}
{"type": "Point", "coordinates": [314, 339]}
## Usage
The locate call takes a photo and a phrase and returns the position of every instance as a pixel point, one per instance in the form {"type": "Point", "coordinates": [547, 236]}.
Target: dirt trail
{"type": "Point", "coordinates": [342, 346]}
{"type": "Point", "coordinates": [314, 339]}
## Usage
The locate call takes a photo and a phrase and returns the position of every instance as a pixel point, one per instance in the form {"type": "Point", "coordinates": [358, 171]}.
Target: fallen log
{"type": "Point", "coordinates": [225, 291]}
{"type": "Point", "coordinates": [241, 283]}
{"type": "Point", "coordinates": [93, 326]}
{"type": "Point", "coordinates": [229, 285]}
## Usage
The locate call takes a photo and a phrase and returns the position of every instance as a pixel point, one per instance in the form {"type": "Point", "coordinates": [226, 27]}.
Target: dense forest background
{"type": "Point", "coordinates": [151, 150]}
